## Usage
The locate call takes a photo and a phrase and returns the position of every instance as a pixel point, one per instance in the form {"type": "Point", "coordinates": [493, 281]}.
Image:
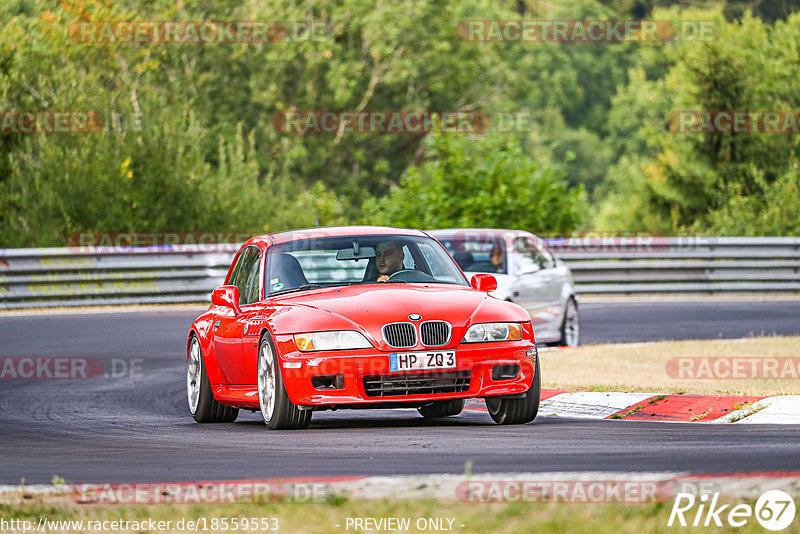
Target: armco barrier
{"type": "Point", "coordinates": [37, 278]}
{"type": "Point", "coordinates": [701, 265]}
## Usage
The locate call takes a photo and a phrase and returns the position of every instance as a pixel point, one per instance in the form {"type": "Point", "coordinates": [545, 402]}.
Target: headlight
{"type": "Point", "coordinates": [493, 332]}
{"type": "Point", "coordinates": [333, 340]}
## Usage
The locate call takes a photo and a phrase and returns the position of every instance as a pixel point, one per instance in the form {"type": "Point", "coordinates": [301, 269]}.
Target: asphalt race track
{"type": "Point", "coordinates": [136, 427]}
{"type": "Point", "coordinates": [623, 322]}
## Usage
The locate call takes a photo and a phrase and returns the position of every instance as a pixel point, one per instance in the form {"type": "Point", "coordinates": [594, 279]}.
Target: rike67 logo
{"type": "Point", "coordinates": [774, 511]}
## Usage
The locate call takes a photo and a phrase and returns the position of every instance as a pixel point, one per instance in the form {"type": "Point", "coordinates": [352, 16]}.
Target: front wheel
{"type": "Point", "coordinates": [443, 408]}
{"type": "Point", "coordinates": [277, 410]}
{"type": "Point", "coordinates": [202, 404]}
{"type": "Point", "coordinates": [517, 411]}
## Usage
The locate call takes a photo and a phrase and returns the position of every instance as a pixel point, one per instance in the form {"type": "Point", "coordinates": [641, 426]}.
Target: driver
{"type": "Point", "coordinates": [388, 258]}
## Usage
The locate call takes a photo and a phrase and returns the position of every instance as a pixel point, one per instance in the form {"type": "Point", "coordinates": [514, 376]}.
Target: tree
{"type": "Point", "coordinates": [482, 181]}
{"type": "Point", "coordinates": [704, 182]}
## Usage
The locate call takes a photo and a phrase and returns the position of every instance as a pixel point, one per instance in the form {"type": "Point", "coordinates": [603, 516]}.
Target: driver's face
{"type": "Point", "coordinates": [389, 258]}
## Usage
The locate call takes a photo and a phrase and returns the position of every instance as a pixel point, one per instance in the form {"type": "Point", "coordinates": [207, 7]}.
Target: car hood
{"type": "Point", "coordinates": [367, 308]}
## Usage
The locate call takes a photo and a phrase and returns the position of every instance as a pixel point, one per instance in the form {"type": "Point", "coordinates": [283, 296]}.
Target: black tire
{"type": "Point", "coordinates": [442, 408]}
{"type": "Point", "coordinates": [571, 338]}
{"type": "Point", "coordinates": [281, 414]}
{"type": "Point", "coordinates": [517, 411]}
{"type": "Point", "coordinates": [207, 408]}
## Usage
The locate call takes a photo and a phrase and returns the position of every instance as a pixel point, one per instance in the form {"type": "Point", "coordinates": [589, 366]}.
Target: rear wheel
{"type": "Point", "coordinates": [570, 326]}
{"type": "Point", "coordinates": [202, 404]}
{"type": "Point", "coordinates": [277, 410]}
{"type": "Point", "coordinates": [443, 408]}
{"type": "Point", "coordinates": [516, 411]}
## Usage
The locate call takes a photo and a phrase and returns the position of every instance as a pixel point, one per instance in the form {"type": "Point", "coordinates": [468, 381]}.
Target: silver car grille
{"type": "Point", "coordinates": [400, 335]}
{"type": "Point", "coordinates": [435, 333]}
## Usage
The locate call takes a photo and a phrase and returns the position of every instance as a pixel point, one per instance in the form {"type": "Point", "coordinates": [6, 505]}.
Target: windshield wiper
{"type": "Point", "coordinates": [293, 289]}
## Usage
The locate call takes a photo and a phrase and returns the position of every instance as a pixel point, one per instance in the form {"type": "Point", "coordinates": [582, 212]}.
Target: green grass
{"type": "Point", "coordinates": [643, 367]}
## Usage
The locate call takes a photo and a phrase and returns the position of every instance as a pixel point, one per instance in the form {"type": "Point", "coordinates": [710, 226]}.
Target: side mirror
{"type": "Point", "coordinates": [483, 282]}
{"type": "Point", "coordinates": [227, 296]}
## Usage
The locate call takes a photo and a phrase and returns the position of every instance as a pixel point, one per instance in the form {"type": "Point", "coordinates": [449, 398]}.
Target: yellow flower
{"type": "Point", "coordinates": [125, 163]}
{"type": "Point", "coordinates": [130, 174]}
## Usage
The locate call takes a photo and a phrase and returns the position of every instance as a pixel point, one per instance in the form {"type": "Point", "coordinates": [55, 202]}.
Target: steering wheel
{"type": "Point", "coordinates": [410, 275]}
{"type": "Point", "coordinates": [400, 272]}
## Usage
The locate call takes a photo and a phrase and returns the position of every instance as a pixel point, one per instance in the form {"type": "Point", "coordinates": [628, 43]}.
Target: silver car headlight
{"type": "Point", "coordinates": [331, 340]}
{"type": "Point", "coordinates": [481, 332]}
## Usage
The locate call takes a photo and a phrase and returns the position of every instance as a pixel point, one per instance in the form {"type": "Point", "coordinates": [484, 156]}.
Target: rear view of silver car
{"type": "Point", "coordinates": [527, 274]}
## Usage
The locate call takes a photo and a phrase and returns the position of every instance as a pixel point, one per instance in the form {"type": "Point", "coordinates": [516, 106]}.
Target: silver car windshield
{"type": "Point", "coordinates": [477, 252]}
{"type": "Point", "coordinates": [367, 259]}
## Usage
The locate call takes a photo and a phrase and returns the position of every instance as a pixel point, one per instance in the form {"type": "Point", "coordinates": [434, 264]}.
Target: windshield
{"type": "Point", "coordinates": [369, 259]}
{"type": "Point", "coordinates": [477, 252]}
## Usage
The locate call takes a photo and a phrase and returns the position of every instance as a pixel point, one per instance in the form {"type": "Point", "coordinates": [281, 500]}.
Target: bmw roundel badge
{"type": "Point", "coordinates": [415, 317]}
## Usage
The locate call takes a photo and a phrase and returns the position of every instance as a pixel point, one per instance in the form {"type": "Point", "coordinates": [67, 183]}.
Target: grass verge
{"type": "Point", "coordinates": [642, 367]}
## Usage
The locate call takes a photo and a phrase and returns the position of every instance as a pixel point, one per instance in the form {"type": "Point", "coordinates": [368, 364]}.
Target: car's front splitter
{"type": "Point", "coordinates": [365, 376]}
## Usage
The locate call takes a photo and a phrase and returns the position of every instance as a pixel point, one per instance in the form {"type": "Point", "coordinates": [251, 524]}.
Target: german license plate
{"type": "Point", "coordinates": [415, 361]}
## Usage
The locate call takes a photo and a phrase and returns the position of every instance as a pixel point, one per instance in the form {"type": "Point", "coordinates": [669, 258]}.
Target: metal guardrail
{"type": "Point", "coordinates": [700, 265]}
{"type": "Point", "coordinates": [50, 277]}
{"type": "Point", "coordinates": [38, 278]}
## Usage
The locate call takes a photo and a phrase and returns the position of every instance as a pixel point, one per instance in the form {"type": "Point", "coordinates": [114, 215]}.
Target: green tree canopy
{"type": "Point", "coordinates": [482, 181]}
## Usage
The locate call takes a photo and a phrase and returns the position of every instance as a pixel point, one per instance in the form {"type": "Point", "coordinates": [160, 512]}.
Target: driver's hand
{"type": "Point", "coordinates": [383, 278]}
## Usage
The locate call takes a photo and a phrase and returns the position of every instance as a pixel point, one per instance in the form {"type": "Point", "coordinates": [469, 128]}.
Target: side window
{"type": "Point", "coordinates": [408, 259]}
{"type": "Point", "coordinates": [245, 275]}
{"type": "Point", "coordinates": [251, 290]}
{"type": "Point", "coordinates": [436, 262]}
{"type": "Point", "coordinates": [524, 256]}
{"type": "Point", "coordinates": [530, 256]}
{"type": "Point", "coordinates": [241, 259]}
{"type": "Point", "coordinates": [549, 260]}
{"type": "Point", "coordinates": [543, 259]}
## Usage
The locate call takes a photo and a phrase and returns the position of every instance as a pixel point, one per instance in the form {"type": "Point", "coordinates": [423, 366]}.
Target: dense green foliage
{"type": "Point", "coordinates": [726, 184]}
{"type": "Point", "coordinates": [463, 178]}
{"type": "Point", "coordinates": [206, 155]}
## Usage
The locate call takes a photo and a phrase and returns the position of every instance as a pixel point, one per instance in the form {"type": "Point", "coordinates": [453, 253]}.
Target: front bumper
{"type": "Point", "coordinates": [350, 368]}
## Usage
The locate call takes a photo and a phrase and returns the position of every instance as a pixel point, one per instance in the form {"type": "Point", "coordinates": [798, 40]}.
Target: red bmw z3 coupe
{"type": "Point", "coordinates": [357, 317]}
